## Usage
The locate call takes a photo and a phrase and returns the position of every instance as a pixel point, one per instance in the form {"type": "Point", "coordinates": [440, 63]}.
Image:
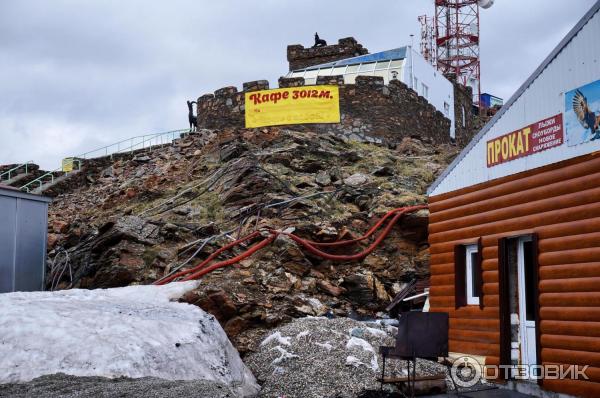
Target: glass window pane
{"type": "Point", "coordinates": [367, 67]}
{"type": "Point", "coordinates": [338, 70]}
{"type": "Point", "coordinates": [352, 68]}
{"type": "Point", "coordinates": [382, 65]}
{"type": "Point", "coordinates": [311, 73]}
{"type": "Point", "coordinates": [350, 78]}
{"type": "Point", "coordinates": [325, 72]}
{"type": "Point", "coordinates": [397, 63]}
{"type": "Point", "coordinates": [530, 288]}
{"type": "Point", "coordinates": [298, 73]}
{"type": "Point", "coordinates": [310, 80]}
{"type": "Point", "coordinates": [474, 277]}
{"type": "Point", "coordinates": [383, 73]}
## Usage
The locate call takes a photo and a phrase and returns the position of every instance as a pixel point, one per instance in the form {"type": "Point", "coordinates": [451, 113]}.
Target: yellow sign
{"type": "Point", "coordinates": [294, 105]}
{"type": "Point", "coordinates": [67, 164]}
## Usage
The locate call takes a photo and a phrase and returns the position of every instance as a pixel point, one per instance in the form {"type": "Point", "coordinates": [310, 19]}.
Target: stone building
{"type": "Point", "coordinates": [300, 57]}
{"type": "Point", "coordinates": [384, 96]}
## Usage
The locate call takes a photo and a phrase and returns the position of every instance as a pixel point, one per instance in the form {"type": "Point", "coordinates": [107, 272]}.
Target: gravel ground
{"type": "Point", "coordinates": [65, 386]}
{"type": "Point", "coordinates": [325, 358]}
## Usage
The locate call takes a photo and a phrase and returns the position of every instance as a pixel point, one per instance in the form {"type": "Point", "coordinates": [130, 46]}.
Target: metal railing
{"type": "Point", "coordinates": [12, 172]}
{"type": "Point", "coordinates": [49, 177]}
{"type": "Point", "coordinates": [130, 145]}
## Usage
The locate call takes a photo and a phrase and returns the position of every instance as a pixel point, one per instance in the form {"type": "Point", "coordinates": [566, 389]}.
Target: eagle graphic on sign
{"type": "Point", "coordinates": [587, 118]}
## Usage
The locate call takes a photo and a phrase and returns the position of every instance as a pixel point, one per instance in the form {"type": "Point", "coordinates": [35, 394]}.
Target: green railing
{"type": "Point", "coordinates": [147, 141]}
{"type": "Point", "coordinates": [8, 174]}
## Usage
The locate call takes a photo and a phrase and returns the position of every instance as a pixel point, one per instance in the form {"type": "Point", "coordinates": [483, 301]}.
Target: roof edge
{"type": "Point", "coordinates": [15, 193]}
{"type": "Point", "coordinates": [538, 71]}
{"type": "Point", "coordinates": [333, 63]}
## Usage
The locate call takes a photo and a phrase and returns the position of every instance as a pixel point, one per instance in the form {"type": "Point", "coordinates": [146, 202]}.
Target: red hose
{"type": "Point", "coordinates": [370, 231]}
{"type": "Point", "coordinates": [209, 259]}
{"type": "Point", "coordinates": [358, 256]}
{"type": "Point", "coordinates": [201, 269]}
{"type": "Point", "coordinates": [248, 253]}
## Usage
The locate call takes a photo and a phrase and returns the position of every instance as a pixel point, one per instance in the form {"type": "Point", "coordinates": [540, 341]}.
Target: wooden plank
{"type": "Point", "coordinates": [565, 215]}
{"type": "Point", "coordinates": [588, 284]}
{"type": "Point", "coordinates": [514, 199]}
{"type": "Point", "coordinates": [550, 174]}
{"type": "Point", "coordinates": [582, 314]}
{"type": "Point", "coordinates": [575, 256]}
{"type": "Point", "coordinates": [577, 270]}
{"type": "Point", "coordinates": [570, 328]}
{"type": "Point", "coordinates": [499, 212]}
{"type": "Point", "coordinates": [571, 356]}
{"type": "Point", "coordinates": [580, 299]}
{"type": "Point", "coordinates": [581, 343]}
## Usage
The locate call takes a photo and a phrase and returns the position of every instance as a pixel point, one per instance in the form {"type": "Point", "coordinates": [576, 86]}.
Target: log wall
{"type": "Point", "coordinates": [561, 204]}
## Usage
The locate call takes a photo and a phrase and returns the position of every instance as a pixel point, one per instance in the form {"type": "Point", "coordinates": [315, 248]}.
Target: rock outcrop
{"type": "Point", "coordinates": [137, 219]}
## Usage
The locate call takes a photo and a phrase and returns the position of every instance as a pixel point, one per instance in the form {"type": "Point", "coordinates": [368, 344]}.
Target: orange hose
{"type": "Point", "coordinates": [209, 259]}
{"type": "Point", "coordinates": [358, 256]}
{"type": "Point", "coordinates": [231, 261]}
{"type": "Point", "coordinates": [201, 269]}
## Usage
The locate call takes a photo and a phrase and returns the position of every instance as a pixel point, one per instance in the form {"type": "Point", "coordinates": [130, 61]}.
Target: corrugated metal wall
{"type": "Point", "coordinates": [576, 65]}
{"type": "Point", "coordinates": [23, 234]}
{"type": "Point", "coordinates": [558, 202]}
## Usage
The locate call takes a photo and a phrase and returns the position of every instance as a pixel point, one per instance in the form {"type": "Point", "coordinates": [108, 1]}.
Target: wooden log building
{"type": "Point", "coordinates": [515, 223]}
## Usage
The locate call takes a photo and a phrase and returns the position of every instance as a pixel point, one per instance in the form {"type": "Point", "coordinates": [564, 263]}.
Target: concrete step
{"type": "Point", "coordinates": [56, 181]}
{"type": "Point", "coordinates": [18, 178]}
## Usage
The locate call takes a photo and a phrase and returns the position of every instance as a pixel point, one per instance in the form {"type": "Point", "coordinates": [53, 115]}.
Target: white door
{"type": "Point", "coordinates": [527, 290]}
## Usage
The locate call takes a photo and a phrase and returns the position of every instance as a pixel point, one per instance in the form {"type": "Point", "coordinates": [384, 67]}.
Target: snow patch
{"type": "Point", "coordinates": [353, 361]}
{"type": "Point", "coordinates": [278, 338]}
{"type": "Point", "coordinates": [366, 346]}
{"type": "Point", "coordinates": [325, 345]}
{"type": "Point", "coordinates": [357, 342]}
{"type": "Point", "coordinates": [135, 331]}
{"type": "Point", "coordinates": [285, 355]}
{"type": "Point", "coordinates": [302, 334]}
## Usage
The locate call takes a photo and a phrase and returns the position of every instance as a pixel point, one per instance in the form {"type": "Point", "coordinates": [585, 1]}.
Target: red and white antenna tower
{"type": "Point", "coordinates": [428, 48]}
{"type": "Point", "coordinates": [450, 41]}
{"type": "Point", "coordinates": [457, 40]}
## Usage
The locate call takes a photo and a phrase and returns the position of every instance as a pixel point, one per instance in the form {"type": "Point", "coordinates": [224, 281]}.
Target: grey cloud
{"type": "Point", "coordinates": [76, 75]}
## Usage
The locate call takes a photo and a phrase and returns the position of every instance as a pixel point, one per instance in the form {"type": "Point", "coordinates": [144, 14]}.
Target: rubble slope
{"type": "Point", "coordinates": [140, 218]}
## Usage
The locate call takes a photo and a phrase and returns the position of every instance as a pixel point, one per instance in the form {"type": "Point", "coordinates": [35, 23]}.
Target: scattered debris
{"type": "Point", "coordinates": [326, 358]}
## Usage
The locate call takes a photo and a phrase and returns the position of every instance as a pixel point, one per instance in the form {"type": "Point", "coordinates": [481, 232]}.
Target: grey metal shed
{"type": "Point", "coordinates": [23, 234]}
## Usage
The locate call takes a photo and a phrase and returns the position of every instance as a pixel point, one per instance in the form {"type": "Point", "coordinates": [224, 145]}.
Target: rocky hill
{"type": "Point", "coordinates": [139, 218]}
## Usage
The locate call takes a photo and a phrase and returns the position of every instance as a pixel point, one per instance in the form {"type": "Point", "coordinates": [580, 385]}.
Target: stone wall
{"type": "Point", "coordinates": [370, 110]}
{"type": "Point", "coordinates": [300, 57]}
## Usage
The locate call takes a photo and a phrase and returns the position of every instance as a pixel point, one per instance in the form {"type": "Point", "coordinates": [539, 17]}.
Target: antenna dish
{"type": "Point", "coordinates": [485, 4]}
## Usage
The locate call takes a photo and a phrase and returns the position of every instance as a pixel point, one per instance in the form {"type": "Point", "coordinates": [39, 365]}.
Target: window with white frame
{"type": "Point", "coordinates": [425, 90]}
{"type": "Point", "coordinates": [472, 278]}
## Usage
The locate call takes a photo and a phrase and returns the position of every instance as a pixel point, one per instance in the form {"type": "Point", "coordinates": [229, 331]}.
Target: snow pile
{"type": "Point", "coordinates": [135, 331]}
{"type": "Point", "coordinates": [320, 357]}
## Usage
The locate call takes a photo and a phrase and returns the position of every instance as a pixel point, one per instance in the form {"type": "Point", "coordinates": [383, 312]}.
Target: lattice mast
{"type": "Point", "coordinates": [457, 42]}
{"type": "Point", "coordinates": [428, 48]}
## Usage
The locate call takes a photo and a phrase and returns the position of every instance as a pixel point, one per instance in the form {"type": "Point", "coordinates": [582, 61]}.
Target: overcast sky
{"type": "Point", "coordinates": [76, 75]}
